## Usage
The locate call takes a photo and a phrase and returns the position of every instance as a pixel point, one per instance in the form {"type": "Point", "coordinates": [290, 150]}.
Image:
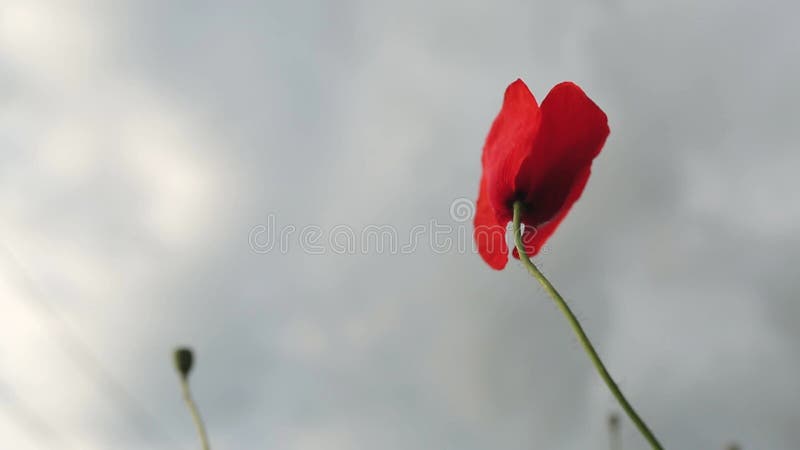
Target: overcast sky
{"type": "Point", "coordinates": [142, 143]}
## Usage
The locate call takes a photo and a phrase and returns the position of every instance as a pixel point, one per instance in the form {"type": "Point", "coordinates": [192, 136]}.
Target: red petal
{"type": "Point", "coordinates": [509, 142]}
{"type": "Point", "coordinates": [489, 235]}
{"type": "Point", "coordinates": [572, 132]}
{"type": "Point", "coordinates": [534, 237]}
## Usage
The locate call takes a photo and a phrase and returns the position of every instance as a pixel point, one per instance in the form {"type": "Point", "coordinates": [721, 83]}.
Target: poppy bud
{"type": "Point", "coordinates": [183, 359]}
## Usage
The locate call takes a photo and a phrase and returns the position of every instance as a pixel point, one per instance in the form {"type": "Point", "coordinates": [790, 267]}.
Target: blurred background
{"type": "Point", "coordinates": [143, 142]}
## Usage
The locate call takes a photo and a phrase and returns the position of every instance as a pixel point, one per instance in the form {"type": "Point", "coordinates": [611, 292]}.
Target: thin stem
{"type": "Point", "coordinates": [576, 327]}
{"type": "Point", "coordinates": [613, 432]}
{"type": "Point", "coordinates": [198, 421]}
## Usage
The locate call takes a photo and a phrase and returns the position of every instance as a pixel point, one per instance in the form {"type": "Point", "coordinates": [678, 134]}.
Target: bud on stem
{"type": "Point", "coordinates": [184, 359]}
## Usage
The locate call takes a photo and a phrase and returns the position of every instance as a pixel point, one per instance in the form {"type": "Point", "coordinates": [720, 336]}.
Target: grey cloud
{"type": "Point", "coordinates": [370, 113]}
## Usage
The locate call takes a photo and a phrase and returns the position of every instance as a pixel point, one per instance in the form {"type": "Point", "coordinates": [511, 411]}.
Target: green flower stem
{"type": "Point", "coordinates": [201, 429]}
{"type": "Point", "coordinates": [576, 327]}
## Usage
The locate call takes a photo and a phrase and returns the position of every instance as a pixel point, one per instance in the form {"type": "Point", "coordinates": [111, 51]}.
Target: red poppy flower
{"type": "Point", "coordinates": [541, 156]}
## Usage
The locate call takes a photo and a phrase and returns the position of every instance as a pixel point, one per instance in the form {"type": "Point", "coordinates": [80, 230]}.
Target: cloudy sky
{"type": "Point", "coordinates": [142, 144]}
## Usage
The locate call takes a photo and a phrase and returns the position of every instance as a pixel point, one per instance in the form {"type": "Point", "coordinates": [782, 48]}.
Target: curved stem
{"type": "Point", "coordinates": [198, 422]}
{"type": "Point", "coordinates": [576, 327]}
